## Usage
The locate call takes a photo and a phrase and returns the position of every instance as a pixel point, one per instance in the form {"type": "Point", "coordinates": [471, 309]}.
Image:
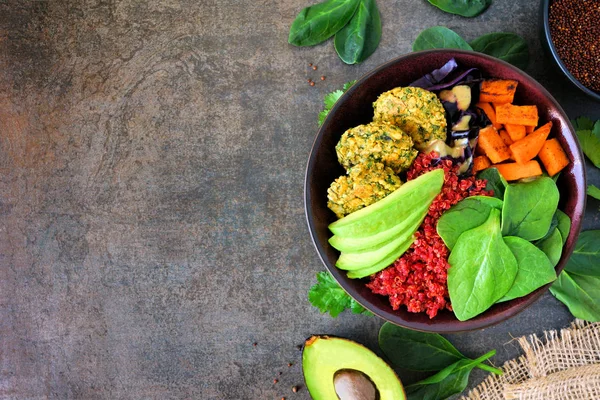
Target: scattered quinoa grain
{"type": "Point", "coordinates": [290, 364]}
{"type": "Point", "coordinates": [295, 389]}
{"type": "Point", "coordinates": [310, 64]}
{"type": "Point", "coordinates": [312, 83]}
{"type": "Point", "coordinates": [254, 344]}
{"type": "Point", "coordinates": [275, 380]}
{"type": "Point", "coordinates": [314, 67]}
{"type": "Point", "coordinates": [323, 77]}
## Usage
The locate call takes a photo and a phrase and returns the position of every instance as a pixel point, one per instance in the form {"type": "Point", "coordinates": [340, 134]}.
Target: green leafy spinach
{"type": "Point", "coordinates": [506, 46]}
{"type": "Point", "coordinates": [359, 39]}
{"type": "Point", "coordinates": [483, 269]}
{"type": "Point", "coordinates": [585, 259]}
{"type": "Point", "coordinates": [594, 191]}
{"type": "Point", "coordinates": [552, 246]}
{"type": "Point", "coordinates": [495, 181]}
{"type": "Point", "coordinates": [440, 37]}
{"type": "Point", "coordinates": [465, 8]}
{"type": "Point", "coordinates": [328, 296]}
{"type": "Point", "coordinates": [588, 133]}
{"type": "Point", "coordinates": [534, 270]}
{"type": "Point", "coordinates": [581, 294]}
{"type": "Point", "coordinates": [529, 207]}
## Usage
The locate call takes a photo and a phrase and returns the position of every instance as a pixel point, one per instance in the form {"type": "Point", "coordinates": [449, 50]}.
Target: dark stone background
{"type": "Point", "coordinates": [152, 156]}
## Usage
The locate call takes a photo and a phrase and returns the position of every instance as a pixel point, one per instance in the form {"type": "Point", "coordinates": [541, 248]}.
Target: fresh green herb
{"type": "Point", "coordinates": [528, 208]}
{"type": "Point", "coordinates": [356, 41]}
{"type": "Point", "coordinates": [588, 133]}
{"type": "Point", "coordinates": [465, 8]}
{"type": "Point", "coordinates": [495, 182]}
{"type": "Point", "coordinates": [534, 270]}
{"type": "Point", "coordinates": [465, 215]}
{"type": "Point", "coordinates": [328, 296]}
{"type": "Point", "coordinates": [585, 259]}
{"type": "Point", "coordinates": [331, 98]}
{"type": "Point", "coordinates": [593, 191]}
{"type": "Point", "coordinates": [581, 294]}
{"type": "Point", "coordinates": [564, 225]}
{"type": "Point", "coordinates": [420, 351]}
{"type": "Point", "coordinates": [319, 22]}
{"type": "Point", "coordinates": [449, 381]}
{"type": "Point", "coordinates": [439, 37]}
{"type": "Point", "coordinates": [552, 246]}
{"type": "Point", "coordinates": [506, 46]}
{"type": "Point", "coordinates": [553, 226]}
{"type": "Point", "coordinates": [482, 270]}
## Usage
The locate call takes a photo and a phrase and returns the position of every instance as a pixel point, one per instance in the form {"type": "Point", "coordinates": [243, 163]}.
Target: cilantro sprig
{"type": "Point", "coordinates": [331, 98]}
{"type": "Point", "coordinates": [328, 296]}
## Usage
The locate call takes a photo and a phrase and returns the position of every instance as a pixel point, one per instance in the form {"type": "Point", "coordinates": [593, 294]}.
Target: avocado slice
{"type": "Point", "coordinates": [375, 241]}
{"type": "Point", "coordinates": [324, 356]}
{"type": "Point", "coordinates": [386, 213]}
{"type": "Point", "coordinates": [386, 262]}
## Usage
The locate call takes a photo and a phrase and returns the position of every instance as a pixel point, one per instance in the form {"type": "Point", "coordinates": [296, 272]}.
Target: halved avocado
{"type": "Point", "coordinates": [385, 213]}
{"type": "Point", "coordinates": [325, 356]}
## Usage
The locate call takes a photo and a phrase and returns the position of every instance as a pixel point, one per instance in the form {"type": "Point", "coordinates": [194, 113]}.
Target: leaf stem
{"type": "Point", "coordinates": [486, 367]}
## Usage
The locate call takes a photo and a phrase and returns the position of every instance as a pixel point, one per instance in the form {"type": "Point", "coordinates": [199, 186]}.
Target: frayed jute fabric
{"type": "Point", "coordinates": [563, 366]}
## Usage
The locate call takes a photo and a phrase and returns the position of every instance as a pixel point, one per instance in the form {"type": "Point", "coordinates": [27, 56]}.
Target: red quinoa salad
{"type": "Point", "coordinates": [423, 216]}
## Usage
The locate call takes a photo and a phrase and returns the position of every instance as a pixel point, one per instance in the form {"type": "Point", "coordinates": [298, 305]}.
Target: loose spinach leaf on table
{"type": "Point", "coordinates": [465, 215]}
{"type": "Point", "coordinates": [534, 270]}
{"type": "Point", "coordinates": [439, 37]}
{"type": "Point", "coordinates": [495, 181]}
{"type": "Point", "coordinates": [552, 246]}
{"type": "Point", "coordinates": [328, 296]}
{"type": "Point", "coordinates": [581, 294]}
{"type": "Point", "coordinates": [465, 8]}
{"type": "Point", "coordinates": [528, 208]}
{"type": "Point", "coordinates": [330, 100]}
{"type": "Point", "coordinates": [319, 22]}
{"type": "Point", "coordinates": [506, 46]}
{"type": "Point", "coordinates": [482, 270]}
{"type": "Point", "coordinates": [593, 191]}
{"type": "Point", "coordinates": [420, 351]}
{"type": "Point", "coordinates": [449, 381]}
{"type": "Point", "coordinates": [588, 133]}
{"type": "Point", "coordinates": [356, 41]}
{"type": "Point", "coordinates": [585, 259]}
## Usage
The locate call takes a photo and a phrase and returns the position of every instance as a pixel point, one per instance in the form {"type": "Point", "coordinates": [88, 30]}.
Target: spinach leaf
{"type": "Point", "coordinates": [528, 208]}
{"type": "Point", "coordinates": [356, 41]}
{"type": "Point", "coordinates": [449, 381]}
{"type": "Point", "coordinates": [482, 269]}
{"type": "Point", "coordinates": [585, 259]}
{"type": "Point", "coordinates": [564, 225]}
{"type": "Point", "coordinates": [439, 37]}
{"type": "Point", "coordinates": [593, 191]}
{"type": "Point", "coordinates": [581, 294]}
{"type": "Point", "coordinates": [506, 46]}
{"type": "Point", "coordinates": [588, 133]}
{"type": "Point", "coordinates": [319, 22]}
{"type": "Point", "coordinates": [330, 100]}
{"type": "Point", "coordinates": [552, 246]}
{"type": "Point", "coordinates": [465, 215]}
{"type": "Point", "coordinates": [534, 268]}
{"type": "Point", "coordinates": [495, 182]}
{"type": "Point", "coordinates": [553, 225]}
{"type": "Point", "coordinates": [465, 8]}
{"type": "Point", "coordinates": [328, 296]}
{"type": "Point", "coordinates": [419, 351]}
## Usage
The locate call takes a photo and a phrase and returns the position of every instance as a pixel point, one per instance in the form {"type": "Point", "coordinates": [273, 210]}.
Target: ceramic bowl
{"type": "Point", "coordinates": [551, 50]}
{"type": "Point", "coordinates": [355, 108]}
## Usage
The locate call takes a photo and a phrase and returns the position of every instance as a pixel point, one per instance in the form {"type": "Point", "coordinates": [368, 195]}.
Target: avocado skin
{"type": "Point", "coordinates": [324, 355]}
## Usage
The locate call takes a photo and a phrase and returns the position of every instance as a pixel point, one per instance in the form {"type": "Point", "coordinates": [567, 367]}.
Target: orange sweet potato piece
{"type": "Point", "coordinates": [491, 114]}
{"type": "Point", "coordinates": [498, 91]}
{"type": "Point", "coordinates": [527, 148]}
{"type": "Point", "coordinates": [553, 157]}
{"type": "Point", "coordinates": [480, 163]}
{"type": "Point", "coordinates": [516, 132]}
{"type": "Point", "coordinates": [516, 115]}
{"type": "Point", "coordinates": [505, 137]}
{"type": "Point", "coordinates": [492, 145]}
{"type": "Point", "coordinates": [514, 171]}
{"type": "Point", "coordinates": [529, 129]}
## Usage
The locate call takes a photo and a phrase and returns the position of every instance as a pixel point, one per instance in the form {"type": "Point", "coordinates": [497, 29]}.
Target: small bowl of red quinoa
{"type": "Point", "coordinates": [418, 309]}
{"type": "Point", "coordinates": [571, 31]}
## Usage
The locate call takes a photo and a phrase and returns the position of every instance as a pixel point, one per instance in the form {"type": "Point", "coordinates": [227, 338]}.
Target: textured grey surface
{"type": "Point", "coordinates": [151, 175]}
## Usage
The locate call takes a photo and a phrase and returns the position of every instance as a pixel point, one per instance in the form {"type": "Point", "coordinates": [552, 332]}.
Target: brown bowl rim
{"type": "Point", "coordinates": [487, 318]}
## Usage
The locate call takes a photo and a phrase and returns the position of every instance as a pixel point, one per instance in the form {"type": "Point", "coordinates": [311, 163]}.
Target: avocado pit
{"type": "Point", "coordinates": [354, 385]}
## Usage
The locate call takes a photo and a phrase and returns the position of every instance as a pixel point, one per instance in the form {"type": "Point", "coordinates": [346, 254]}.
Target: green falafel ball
{"type": "Point", "coordinates": [377, 142]}
{"type": "Point", "coordinates": [364, 185]}
{"type": "Point", "coordinates": [417, 111]}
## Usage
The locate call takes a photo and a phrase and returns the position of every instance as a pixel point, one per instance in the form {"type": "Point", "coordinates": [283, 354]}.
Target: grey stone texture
{"type": "Point", "coordinates": [152, 159]}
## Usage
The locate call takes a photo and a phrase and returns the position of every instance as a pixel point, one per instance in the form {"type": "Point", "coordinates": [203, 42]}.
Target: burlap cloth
{"type": "Point", "coordinates": [563, 366]}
